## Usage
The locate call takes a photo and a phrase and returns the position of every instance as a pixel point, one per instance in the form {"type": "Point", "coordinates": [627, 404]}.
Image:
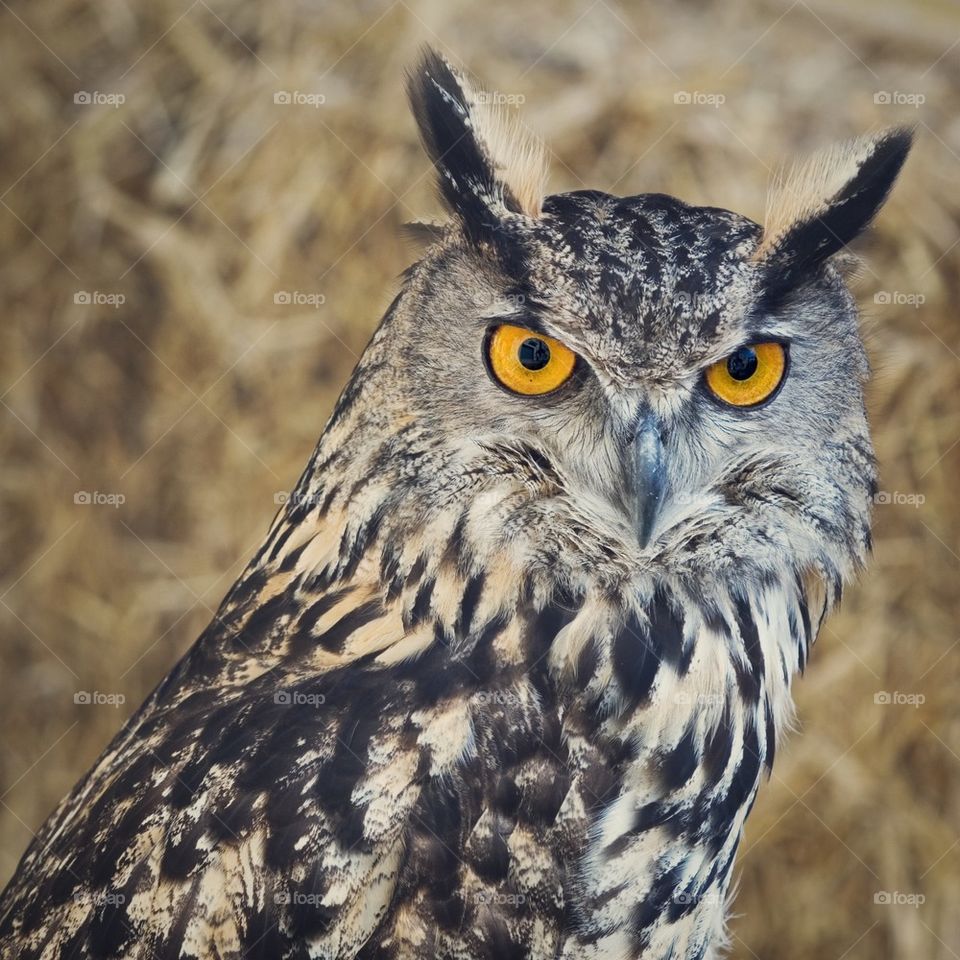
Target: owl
{"type": "Point", "coordinates": [504, 678]}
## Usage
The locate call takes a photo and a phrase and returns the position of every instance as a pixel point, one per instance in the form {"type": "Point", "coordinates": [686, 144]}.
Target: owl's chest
{"type": "Point", "coordinates": [596, 812]}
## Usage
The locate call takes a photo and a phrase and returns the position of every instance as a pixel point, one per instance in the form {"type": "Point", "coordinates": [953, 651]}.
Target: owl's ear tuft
{"type": "Point", "coordinates": [424, 232]}
{"type": "Point", "coordinates": [825, 202]}
{"type": "Point", "coordinates": [487, 166]}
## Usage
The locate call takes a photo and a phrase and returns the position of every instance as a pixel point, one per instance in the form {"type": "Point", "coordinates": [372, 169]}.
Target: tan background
{"type": "Point", "coordinates": [200, 201]}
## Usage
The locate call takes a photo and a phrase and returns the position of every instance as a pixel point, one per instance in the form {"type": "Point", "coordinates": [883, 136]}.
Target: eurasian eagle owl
{"type": "Point", "coordinates": [504, 677]}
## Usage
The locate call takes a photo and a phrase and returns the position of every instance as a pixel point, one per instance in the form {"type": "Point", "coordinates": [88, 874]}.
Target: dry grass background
{"type": "Point", "coordinates": [198, 397]}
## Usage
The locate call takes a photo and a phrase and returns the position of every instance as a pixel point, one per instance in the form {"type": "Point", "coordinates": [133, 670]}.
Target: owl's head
{"type": "Point", "coordinates": [620, 381]}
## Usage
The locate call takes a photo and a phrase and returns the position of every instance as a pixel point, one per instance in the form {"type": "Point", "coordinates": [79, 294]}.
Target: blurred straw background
{"type": "Point", "coordinates": [189, 270]}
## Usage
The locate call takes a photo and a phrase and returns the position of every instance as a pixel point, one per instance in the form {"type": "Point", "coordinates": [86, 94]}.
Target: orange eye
{"type": "Point", "coordinates": [749, 375]}
{"type": "Point", "coordinates": [528, 362]}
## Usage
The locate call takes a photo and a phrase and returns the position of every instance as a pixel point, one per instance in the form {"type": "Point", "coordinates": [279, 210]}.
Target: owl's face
{"type": "Point", "coordinates": [659, 381]}
{"type": "Point", "coordinates": [635, 344]}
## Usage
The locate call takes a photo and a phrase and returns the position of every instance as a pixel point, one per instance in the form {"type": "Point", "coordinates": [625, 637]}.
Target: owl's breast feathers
{"type": "Point", "coordinates": [410, 752]}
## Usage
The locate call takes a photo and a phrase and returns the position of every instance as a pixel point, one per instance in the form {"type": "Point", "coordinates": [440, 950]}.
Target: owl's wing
{"type": "Point", "coordinates": [256, 800]}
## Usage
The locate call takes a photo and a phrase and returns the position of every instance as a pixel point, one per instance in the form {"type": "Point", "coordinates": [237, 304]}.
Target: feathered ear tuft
{"type": "Point", "coordinates": [823, 203]}
{"type": "Point", "coordinates": [487, 166]}
{"type": "Point", "coordinates": [424, 232]}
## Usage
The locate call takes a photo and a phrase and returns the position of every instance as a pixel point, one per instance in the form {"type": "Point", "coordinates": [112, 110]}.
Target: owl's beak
{"type": "Point", "coordinates": [647, 475]}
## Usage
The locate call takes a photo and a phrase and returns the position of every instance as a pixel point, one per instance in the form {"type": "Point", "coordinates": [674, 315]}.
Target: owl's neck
{"type": "Point", "coordinates": [477, 542]}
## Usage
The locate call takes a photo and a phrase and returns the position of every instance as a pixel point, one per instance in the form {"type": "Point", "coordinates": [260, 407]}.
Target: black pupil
{"type": "Point", "coordinates": [742, 365]}
{"type": "Point", "coordinates": [534, 354]}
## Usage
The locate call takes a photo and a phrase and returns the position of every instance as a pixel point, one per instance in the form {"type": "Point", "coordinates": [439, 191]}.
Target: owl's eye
{"type": "Point", "coordinates": [749, 375]}
{"type": "Point", "coordinates": [528, 362]}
